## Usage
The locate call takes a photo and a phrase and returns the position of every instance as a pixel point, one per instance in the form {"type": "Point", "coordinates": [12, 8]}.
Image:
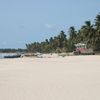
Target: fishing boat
{"type": "Point", "coordinates": [13, 56]}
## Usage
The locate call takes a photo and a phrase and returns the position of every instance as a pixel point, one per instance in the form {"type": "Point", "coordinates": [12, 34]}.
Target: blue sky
{"type": "Point", "coordinates": [26, 21]}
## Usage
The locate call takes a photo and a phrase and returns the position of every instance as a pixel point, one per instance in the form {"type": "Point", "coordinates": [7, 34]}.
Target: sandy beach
{"type": "Point", "coordinates": [68, 78]}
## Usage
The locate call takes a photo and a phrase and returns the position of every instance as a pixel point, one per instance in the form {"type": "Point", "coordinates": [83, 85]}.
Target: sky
{"type": "Point", "coordinates": [26, 21]}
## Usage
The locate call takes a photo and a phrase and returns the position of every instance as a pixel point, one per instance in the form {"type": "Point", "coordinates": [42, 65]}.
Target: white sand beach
{"type": "Point", "coordinates": [68, 78]}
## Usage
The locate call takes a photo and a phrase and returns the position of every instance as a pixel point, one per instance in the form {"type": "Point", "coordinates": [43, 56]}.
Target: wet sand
{"type": "Point", "coordinates": [69, 78]}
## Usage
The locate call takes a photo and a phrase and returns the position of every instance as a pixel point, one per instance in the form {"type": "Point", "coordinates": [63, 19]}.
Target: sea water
{"type": "Point", "coordinates": [5, 54]}
{"type": "Point", "coordinates": [1, 55]}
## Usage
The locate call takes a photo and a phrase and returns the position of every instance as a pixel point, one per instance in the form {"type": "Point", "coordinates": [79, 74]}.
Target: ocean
{"type": "Point", "coordinates": [5, 54]}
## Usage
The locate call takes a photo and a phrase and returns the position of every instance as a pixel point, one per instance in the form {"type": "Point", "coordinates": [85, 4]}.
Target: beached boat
{"type": "Point", "coordinates": [13, 56]}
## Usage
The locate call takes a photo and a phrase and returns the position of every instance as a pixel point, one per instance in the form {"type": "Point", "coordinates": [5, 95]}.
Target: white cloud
{"type": "Point", "coordinates": [48, 26]}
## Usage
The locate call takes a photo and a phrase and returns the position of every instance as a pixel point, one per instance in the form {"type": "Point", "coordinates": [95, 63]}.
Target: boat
{"type": "Point", "coordinates": [13, 56]}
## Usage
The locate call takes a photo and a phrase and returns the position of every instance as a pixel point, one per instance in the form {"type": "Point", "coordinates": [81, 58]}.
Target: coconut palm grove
{"type": "Point", "coordinates": [89, 33]}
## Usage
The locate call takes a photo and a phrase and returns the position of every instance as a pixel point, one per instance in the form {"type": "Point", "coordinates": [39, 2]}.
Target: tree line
{"type": "Point", "coordinates": [89, 33]}
{"type": "Point", "coordinates": [12, 50]}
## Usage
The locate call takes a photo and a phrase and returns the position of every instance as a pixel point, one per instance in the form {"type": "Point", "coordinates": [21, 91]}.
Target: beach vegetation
{"type": "Point", "coordinates": [89, 33]}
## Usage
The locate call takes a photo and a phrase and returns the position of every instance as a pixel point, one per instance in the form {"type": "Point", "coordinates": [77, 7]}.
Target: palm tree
{"type": "Point", "coordinates": [72, 38]}
{"type": "Point", "coordinates": [72, 33]}
{"type": "Point", "coordinates": [97, 29]}
{"type": "Point", "coordinates": [87, 33]}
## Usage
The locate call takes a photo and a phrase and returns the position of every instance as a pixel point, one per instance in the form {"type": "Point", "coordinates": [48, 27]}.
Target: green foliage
{"type": "Point", "coordinates": [88, 33]}
{"type": "Point", "coordinates": [56, 44]}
